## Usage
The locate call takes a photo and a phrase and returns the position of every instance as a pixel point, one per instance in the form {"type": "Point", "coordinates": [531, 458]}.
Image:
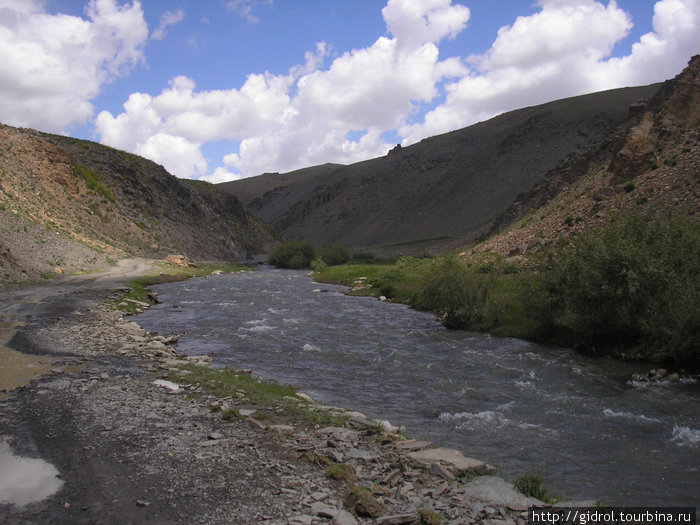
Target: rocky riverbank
{"type": "Point", "coordinates": [132, 444]}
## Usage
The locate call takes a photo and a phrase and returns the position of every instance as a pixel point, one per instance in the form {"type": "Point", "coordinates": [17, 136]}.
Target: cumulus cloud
{"type": "Point", "coordinates": [308, 115]}
{"type": "Point", "coordinates": [561, 51]}
{"type": "Point", "coordinates": [339, 112]}
{"type": "Point", "coordinates": [167, 20]}
{"type": "Point", "coordinates": [52, 66]}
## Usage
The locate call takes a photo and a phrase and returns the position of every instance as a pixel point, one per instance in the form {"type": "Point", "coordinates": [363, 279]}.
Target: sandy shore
{"type": "Point", "coordinates": [128, 448]}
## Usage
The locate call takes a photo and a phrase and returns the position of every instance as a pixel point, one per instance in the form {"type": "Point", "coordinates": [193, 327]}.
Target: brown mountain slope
{"type": "Point", "coordinates": [73, 204]}
{"type": "Point", "coordinates": [448, 189]}
{"type": "Point", "coordinates": [652, 165]}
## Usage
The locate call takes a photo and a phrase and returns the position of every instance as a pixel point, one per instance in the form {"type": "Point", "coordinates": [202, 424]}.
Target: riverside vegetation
{"type": "Point", "coordinates": [628, 289]}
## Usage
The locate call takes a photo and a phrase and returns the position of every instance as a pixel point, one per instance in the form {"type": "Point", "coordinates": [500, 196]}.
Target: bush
{"type": "Point", "coordinates": [456, 294]}
{"type": "Point", "coordinates": [333, 254]}
{"type": "Point", "coordinates": [293, 254]}
{"type": "Point", "coordinates": [632, 285]}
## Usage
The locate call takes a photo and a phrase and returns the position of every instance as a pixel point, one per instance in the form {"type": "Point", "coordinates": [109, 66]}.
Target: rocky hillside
{"type": "Point", "coordinates": [68, 205]}
{"type": "Point", "coordinates": [651, 163]}
{"type": "Point", "coordinates": [448, 190]}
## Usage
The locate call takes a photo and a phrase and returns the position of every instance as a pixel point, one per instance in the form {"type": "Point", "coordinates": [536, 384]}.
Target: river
{"type": "Point", "coordinates": [577, 422]}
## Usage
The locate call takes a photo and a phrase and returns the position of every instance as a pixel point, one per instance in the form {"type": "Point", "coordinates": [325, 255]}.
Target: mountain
{"type": "Point", "coordinates": [650, 164]}
{"type": "Point", "coordinates": [447, 190]}
{"type": "Point", "coordinates": [69, 205]}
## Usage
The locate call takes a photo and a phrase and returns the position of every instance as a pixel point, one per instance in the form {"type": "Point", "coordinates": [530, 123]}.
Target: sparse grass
{"type": "Point", "coordinates": [341, 472]}
{"type": "Point", "coordinates": [429, 517]}
{"type": "Point", "coordinates": [163, 272]}
{"type": "Point", "coordinates": [92, 180]}
{"type": "Point", "coordinates": [225, 382]}
{"type": "Point", "coordinates": [533, 486]}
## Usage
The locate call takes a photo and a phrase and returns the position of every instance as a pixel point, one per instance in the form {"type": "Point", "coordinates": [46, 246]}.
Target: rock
{"type": "Point", "coordinates": [338, 433]}
{"type": "Point", "coordinates": [673, 377]}
{"type": "Point", "coordinates": [323, 510]}
{"type": "Point", "coordinates": [305, 397]}
{"type": "Point", "coordinates": [441, 471]}
{"type": "Point", "coordinates": [179, 260]}
{"type": "Point", "coordinates": [58, 270]}
{"type": "Point", "coordinates": [382, 298]}
{"type": "Point", "coordinates": [167, 384]}
{"type": "Point", "coordinates": [453, 459]}
{"type": "Point", "coordinates": [412, 445]}
{"type": "Point", "coordinates": [199, 360]}
{"type": "Point", "coordinates": [215, 435]}
{"type": "Point", "coordinates": [398, 519]}
{"type": "Point", "coordinates": [497, 491]}
{"type": "Point", "coordinates": [217, 272]}
{"type": "Point", "coordinates": [388, 427]}
{"type": "Point", "coordinates": [344, 518]}
{"type": "Point", "coordinates": [283, 429]}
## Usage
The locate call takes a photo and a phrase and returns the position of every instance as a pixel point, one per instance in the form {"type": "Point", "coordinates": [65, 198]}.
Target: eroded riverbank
{"type": "Point", "coordinates": [129, 449]}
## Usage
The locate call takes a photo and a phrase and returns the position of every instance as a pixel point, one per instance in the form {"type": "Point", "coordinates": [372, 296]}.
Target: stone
{"type": "Point", "coordinates": [441, 471]}
{"type": "Point", "coordinates": [344, 518]}
{"type": "Point", "coordinates": [412, 445]}
{"type": "Point", "coordinates": [324, 511]}
{"type": "Point", "coordinates": [453, 459]}
{"type": "Point", "coordinates": [179, 260]}
{"type": "Point", "coordinates": [282, 429]}
{"type": "Point", "coordinates": [167, 384]}
{"type": "Point", "coordinates": [497, 491]}
{"type": "Point", "coordinates": [398, 519]}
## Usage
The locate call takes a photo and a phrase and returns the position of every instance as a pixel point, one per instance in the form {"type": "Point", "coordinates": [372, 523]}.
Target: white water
{"type": "Point", "coordinates": [525, 408]}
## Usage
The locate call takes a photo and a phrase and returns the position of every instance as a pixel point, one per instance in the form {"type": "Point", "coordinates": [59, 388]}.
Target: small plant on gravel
{"type": "Point", "coordinates": [428, 517]}
{"type": "Point", "coordinates": [341, 472]}
{"type": "Point", "coordinates": [532, 486]}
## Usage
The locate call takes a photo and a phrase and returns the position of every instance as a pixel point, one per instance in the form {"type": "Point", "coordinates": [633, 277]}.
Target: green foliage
{"type": "Point", "coordinates": [333, 254]}
{"type": "Point", "coordinates": [92, 180]}
{"type": "Point", "coordinates": [361, 257]}
{"type": "Point", "coordinates": [633, 284]}
{"type": "Point", "coordinates": [428, 517]}
{"type": "Point", "coordinates": [454, 292]}
{"type": "Point", "coordinates": [295, 255]}
{"type": "Point", "coordinates": [533, 487]}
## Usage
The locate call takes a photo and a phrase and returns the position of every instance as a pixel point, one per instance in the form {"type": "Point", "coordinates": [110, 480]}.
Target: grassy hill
{"type": "Point", "coordinates": [69, 205]}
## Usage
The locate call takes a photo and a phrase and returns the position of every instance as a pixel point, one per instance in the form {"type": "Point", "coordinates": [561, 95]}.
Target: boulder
{"type": "Point", "coordinates": [452, 459]}
{"type": "Point", "coordinates": [179, 260]}
{"type": "Point", "coordinates": [497, 491]}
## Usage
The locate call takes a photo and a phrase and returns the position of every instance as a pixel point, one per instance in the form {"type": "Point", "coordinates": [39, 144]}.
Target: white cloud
{"type": "Point", "coordinates": [167, 20]}
{"type": "Point", "coordinates": [304, 117]}
{"type": "Point", "coordinates": [52, 66]}
{"type": "Point", "coordinates": [561, 51]}
{"type": "Point", "coordinates": [315, 113]}
{"type": "Point", "coordinates": [244, 8]}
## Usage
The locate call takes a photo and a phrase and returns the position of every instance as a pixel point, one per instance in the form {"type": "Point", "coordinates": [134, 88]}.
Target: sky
{"type": "Point", "coordinates": [219, 90]}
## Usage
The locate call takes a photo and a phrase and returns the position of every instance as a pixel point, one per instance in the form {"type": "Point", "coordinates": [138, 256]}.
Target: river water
{"type": "Point", "coordinates": [578, 422]}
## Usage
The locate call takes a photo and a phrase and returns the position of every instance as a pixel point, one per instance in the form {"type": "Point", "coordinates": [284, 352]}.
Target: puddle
{"type": "Point", "coordinates": [25, 480]}
{"type": "Point", "coordinates": [7, 330]}
{"type": "Point", "coordinates": [18, 369]}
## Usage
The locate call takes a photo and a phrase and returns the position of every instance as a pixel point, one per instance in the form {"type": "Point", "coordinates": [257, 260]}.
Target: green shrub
{"type": "Point", "coordinates": [455, 293]}
{"type": "Point", "coordinates": [363, 257]}
{"type": "Point", "coordinates": [632, 285]}
{"type": "Point", "coordinates": [333, 254]}
{"type": "Point", "coordinates": [293, 254]}
{"type": "Point", "coordinates": [533, 487]}
{"type": "Point", "coordinates": [92, 180]}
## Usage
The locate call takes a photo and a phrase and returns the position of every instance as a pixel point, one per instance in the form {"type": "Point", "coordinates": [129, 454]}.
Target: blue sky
{"type": "Point", "coordinates": [222, 89]}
